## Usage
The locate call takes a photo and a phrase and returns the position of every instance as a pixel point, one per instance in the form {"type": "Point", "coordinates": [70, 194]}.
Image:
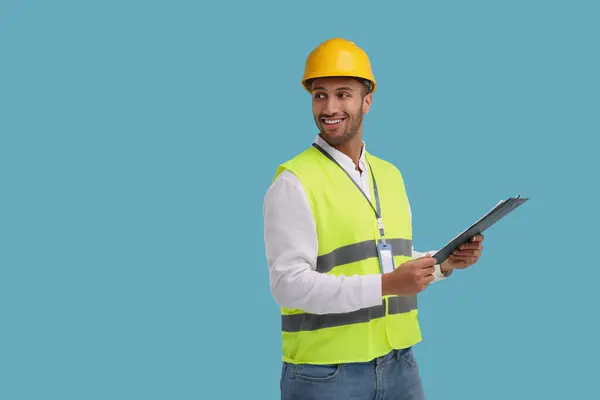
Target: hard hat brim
{"type": "Point", "coordinates": [370, 83]}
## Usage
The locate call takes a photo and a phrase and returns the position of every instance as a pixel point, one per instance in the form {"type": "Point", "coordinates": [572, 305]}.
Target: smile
{"type": "Point", "coordinates": [333, 121]}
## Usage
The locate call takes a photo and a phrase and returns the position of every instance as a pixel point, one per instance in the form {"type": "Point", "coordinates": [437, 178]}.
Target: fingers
{"type": "Point", "coordinates": [426, 280]}
{"type": "Point", "coordinates": [427, 271]}
{"type": "Point", "coordinates": [466, 253]}
{"type": "Point", "coordinates": [477, 238]}
{"type": "Point", "coordinates": [466, 259]}
{"type": "Point", "coordinates": [425, 262]}
{"type": "Point", "coordinates": [469, 246]}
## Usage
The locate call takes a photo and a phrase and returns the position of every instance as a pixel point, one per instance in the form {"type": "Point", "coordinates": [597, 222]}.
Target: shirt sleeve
{"type": "Point", "coordinates": [291, 249]}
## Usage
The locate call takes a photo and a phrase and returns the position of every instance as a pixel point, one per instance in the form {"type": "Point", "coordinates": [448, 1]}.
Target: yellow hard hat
{"type": "Point", "coordinates": [338, 57]}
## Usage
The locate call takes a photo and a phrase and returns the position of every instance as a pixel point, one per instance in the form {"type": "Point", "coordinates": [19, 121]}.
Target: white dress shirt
{"type": "Point", "coordinates": [292, 249]}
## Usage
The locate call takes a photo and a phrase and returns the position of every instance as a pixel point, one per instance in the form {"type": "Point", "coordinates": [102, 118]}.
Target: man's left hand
{"type": "Point", "coordinates": [465, 256]}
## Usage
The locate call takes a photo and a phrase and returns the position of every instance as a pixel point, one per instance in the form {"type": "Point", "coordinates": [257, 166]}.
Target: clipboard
{"type": "Point", "coordinates": [500, 210]}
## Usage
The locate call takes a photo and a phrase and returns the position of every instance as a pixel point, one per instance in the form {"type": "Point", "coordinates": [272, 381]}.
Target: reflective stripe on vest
{"type": "Point", "coordinates": [312, 322]}
{"type": "Point", "coordinates": [358, 252]}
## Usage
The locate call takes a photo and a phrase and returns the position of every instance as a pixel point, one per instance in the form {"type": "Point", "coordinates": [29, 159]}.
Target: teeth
{"type": "Point", "coordinates": [333, 121]}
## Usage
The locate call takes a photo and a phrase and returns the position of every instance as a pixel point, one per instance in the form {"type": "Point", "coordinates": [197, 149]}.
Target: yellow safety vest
{"type": "Point", "coordinates": [348, 233]}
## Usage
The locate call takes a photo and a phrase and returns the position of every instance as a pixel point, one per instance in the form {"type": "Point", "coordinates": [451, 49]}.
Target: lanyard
{"type": "Point", "coordinates": [378, 209]}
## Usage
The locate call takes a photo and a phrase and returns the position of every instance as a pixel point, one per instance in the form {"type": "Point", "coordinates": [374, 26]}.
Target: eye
{"type": "Point", "coordinates": [319, 96]}
{"type": "Point", "coordinates": [342, 95]}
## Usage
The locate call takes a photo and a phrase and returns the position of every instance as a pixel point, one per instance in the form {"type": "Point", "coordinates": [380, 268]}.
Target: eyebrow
{"type": "Point", "coordinates": [340, 88]}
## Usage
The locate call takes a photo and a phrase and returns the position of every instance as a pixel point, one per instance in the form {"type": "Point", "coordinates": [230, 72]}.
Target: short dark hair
{"type": "Point", "coordinates": [366, 87]}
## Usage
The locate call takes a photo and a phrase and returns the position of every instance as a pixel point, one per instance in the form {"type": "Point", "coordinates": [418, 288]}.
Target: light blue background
{"type": "Point", "coordinates": [137, 140]}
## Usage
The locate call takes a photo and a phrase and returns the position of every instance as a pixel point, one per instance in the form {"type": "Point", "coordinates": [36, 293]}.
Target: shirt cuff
{"type": "Point", "coordinates": [372, 293]}
{"type": "Point", "coordinates": [438, 275]}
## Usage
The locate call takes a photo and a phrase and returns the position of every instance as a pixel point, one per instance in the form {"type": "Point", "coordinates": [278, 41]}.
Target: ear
{"type": "Point", "coordinates": [367, 103]}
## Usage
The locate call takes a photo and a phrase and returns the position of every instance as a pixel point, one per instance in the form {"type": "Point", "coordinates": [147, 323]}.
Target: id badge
{"type": "Point", "coordinates": [386, 259]}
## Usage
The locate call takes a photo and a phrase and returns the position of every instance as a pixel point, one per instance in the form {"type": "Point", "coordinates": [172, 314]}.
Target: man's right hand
{"type": "Point", "coordinates": [409, 278]}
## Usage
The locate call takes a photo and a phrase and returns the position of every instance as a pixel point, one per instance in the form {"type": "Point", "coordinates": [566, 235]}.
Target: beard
{"type": "Point", "coordinates": [351, 128]}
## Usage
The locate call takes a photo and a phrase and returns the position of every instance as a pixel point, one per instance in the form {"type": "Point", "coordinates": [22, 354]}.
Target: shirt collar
{"type": "Point", "coordinates": [345, 161]}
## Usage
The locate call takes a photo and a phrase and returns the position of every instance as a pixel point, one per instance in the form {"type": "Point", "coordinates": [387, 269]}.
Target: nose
{"type": "Point", "coordinates": [332, 106]}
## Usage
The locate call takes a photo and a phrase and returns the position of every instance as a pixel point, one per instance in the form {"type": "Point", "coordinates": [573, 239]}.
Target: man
{"type": "Point", "coordinates": [338, 239]}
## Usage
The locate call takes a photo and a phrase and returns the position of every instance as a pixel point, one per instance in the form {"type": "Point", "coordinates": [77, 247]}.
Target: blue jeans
{"type": "Point", "coordinates": [394, 376]}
